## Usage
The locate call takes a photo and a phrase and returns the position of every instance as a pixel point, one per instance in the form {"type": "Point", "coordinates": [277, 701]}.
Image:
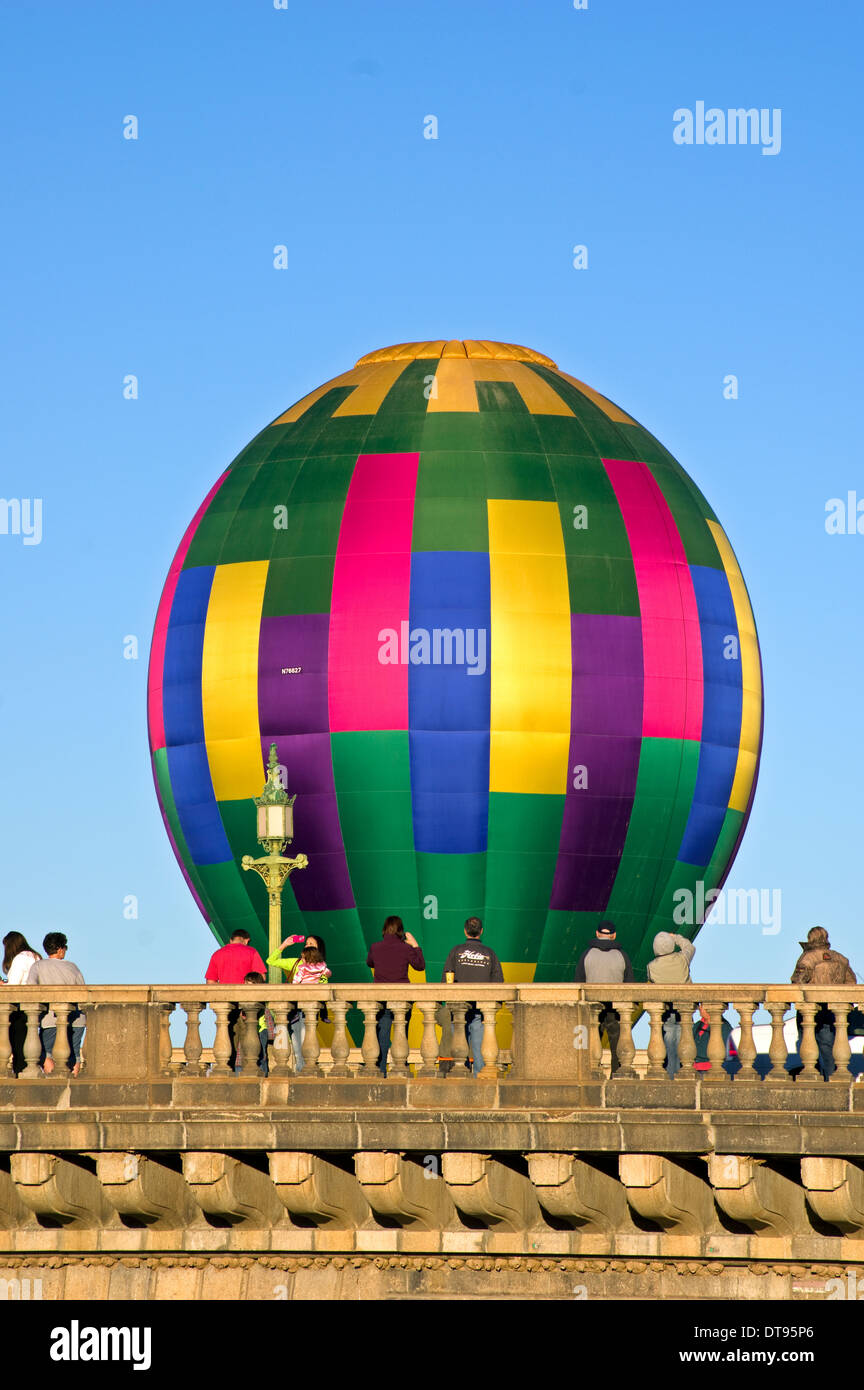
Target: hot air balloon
{"type": "Point", "coordinates": [504, 649]}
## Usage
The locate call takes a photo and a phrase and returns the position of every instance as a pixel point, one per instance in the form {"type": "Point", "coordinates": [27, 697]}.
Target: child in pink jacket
{"type": "Point", "coordinates": [311, 968]}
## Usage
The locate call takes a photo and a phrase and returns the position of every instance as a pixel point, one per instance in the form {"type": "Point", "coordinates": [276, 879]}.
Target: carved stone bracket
{"type": "Point", "coordinates": [235, 1191]}
{"type": "Point", "coordinates": [402, 1191]}
{"type": "Point", "coordinates": [579, 1193]}
{"type": "Point", "coordinates": [146, 1190]}
{"type": "Point", "coordinates": [64, 1192]}
{"type": "Point", "coordinates": [663, 1191]}
{"type": "Point", "coordinates": [757, 1196]}
{"type": "Point", "coordinates": [835, 1191]}
{"type": "Point", "coordinates": [13, 1212]}
{"type": "Point", "coordinates": [489, 1191]}
{"type": "Point", "coordinates": [311, 1187]}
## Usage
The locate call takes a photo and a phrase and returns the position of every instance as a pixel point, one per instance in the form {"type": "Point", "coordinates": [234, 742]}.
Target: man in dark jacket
{"type": "Point", "coordinates": [603, 962]}
{"type": "Point", "coordinates": [389, 960]}
{"type": "Point", "coordinates": [472, 962]}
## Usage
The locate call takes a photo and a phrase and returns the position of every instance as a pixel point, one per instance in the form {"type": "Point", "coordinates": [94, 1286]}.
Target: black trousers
{"type": "Point", "coordinates": [233, 1029]}
{"type": "Point", "coordinates": [17, 1034]}
{"type": "Point", "coordinates": [610, 1024]}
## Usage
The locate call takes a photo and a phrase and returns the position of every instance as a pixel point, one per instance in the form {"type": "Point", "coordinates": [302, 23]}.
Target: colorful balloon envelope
{"type": "Point", "coordinates": [504, 649]}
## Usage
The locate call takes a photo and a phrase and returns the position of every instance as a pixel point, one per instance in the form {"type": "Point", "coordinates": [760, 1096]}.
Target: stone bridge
{"type": "Point", "coordinates": [162, 1172]}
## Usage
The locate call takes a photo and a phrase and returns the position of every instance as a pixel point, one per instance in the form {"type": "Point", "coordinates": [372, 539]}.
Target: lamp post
{"type": "Point", "coordinates": [275, 830]}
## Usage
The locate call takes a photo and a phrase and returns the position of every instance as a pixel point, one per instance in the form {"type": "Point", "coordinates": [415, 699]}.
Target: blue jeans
{"type": "Point", "coordinates": [48, 1037]}
{"type": "Point", "coordinates": [383, 1024]}
{"type": "Point", "coordinates": [474, 1037]}
{"type": "Point", "coordinates": [297, 1032]}
{"type": "Point", "coordinates": [672, 1039]}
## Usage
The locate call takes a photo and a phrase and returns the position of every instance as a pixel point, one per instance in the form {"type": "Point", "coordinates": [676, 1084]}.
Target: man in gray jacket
{"type": "Point", "coordinates": [671, 966]}
{"type": "Point", "coordinates": [605, 963]}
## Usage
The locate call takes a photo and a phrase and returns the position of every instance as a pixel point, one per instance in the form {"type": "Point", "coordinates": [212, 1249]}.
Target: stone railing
{"type": "Point", "coordinates": [762, 1050]}
{"type": "Point", "coordinates": [129, 1030]}
{"type": "Point", "coordinates": [530, 1033]}
{"type": "Point", "coordinates": [346, 1044]}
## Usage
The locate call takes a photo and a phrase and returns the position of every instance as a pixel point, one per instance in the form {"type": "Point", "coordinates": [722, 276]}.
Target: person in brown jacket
{"type": "Point", "coordinates": [819, 965]}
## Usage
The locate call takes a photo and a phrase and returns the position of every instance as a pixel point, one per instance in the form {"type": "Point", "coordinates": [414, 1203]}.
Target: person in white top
{"type": "Point", "coordinates": [18, 958]}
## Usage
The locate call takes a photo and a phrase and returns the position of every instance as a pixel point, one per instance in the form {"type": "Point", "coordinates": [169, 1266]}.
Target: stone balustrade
{"type": "Point", "coordinates": [129, 1030]}
{"type": "Point", "coordinates": [536, 1033]}
{"type": "Point", "coordinates": [774, 1051]}
{"type": "Point", "coordinates": [161, 1172]}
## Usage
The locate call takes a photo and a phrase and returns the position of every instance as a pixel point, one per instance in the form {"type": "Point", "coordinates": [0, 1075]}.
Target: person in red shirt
{"type": "Point", "coordinates": [229, 966]}
{"type": "Point", "coordinates": [389, 959]}
{"type": "Point", "coordinates": [232, 963]}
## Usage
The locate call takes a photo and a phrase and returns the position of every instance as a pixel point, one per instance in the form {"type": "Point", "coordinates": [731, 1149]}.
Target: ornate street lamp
{"type": "Point", "coordinates": [275, 830]}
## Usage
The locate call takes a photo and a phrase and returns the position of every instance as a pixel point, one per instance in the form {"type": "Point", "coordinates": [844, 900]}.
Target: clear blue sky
{"type": "Point", "coordinates": [304, 127]}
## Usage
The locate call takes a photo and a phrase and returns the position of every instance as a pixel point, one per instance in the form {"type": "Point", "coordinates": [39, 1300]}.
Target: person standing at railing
{"type": "Point", "coordinates": [17, 959]}
{"type": "Point", "coordinates": [266, 1024]}
{"type": "Point", "coordinates": [232, 963]}
{"type": "Point", "coordinates": [819, 965]}
{"type": "Point", "coordinates": [604, 963]}
{"type": "Point", "coordinates": [473, 963]}
{"type": "Point", "coordinates": [229, 966]}
{"type": "Point", "coordinates": [702, 1037]}
{"type": "Point", "coordinates": [671, 966]}
{"type": "Point", "coordinates": [290, 963]}
{"type": "Point", "coordinates": [57, 970]}
{"type": "Point", "coordinates": [311, 969]}
{"type": "Point", "coordinates": [389, 960]}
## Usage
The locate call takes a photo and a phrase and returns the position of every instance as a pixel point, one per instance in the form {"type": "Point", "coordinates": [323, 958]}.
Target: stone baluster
{"type": "Point", "coordinates": [626, 1047]}
{"type": "Point", "coordinates": [656, 1045]}
{"type": "Point", "coordinates": [747, 1043]}
{"type": "Point", "coordinates": [222, 1041]}
{"type": "Point", "coordinates": [429, 1042]}
{"type": "Point", "coordinates": [341, 1045]}
{"type": "Point", "coordinates": [167, 1066]}
{"type": "Point", "coordinates": [460, 1042]}
{"type": "Point", "coordinates": [369, 1046]}
{"type": "Point", "coordinates": [61, 1044]}
{"type": "Point", "coordinates": [595, 1044]}
{"type": "Point", "coordinates": [398, 1065]}
{"type": "Point", "coordinates": [282, 1056]}
{"type": "Point", "coordinates": [808, 1050]}
{"type": "Point", "coordinates": [192, 1042]}
{"type": "Point", "coordinates": [32, 1045]}
{"type": "Point", "coordinates": [716, 1045]}
{"type": "Point", "coordinates": [505, 1054]}
{"type": "Point", "coordinates": [777, 1053]}
{"type": "Point", "coordinates": [687, 1045]}
{"type": "Point", "coordinates": [236, 1033]}
{"type": "Point", "coordinates": [842, 1050]}
{"type": "Point", "coordinates": [311, 1045]}
{"type": "Point", "coordinates": [489, 1049]}
{"type": "Point", "coordinates": [251, 1041]}
{"type": "Point", "coordinates": [5, 1042]}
